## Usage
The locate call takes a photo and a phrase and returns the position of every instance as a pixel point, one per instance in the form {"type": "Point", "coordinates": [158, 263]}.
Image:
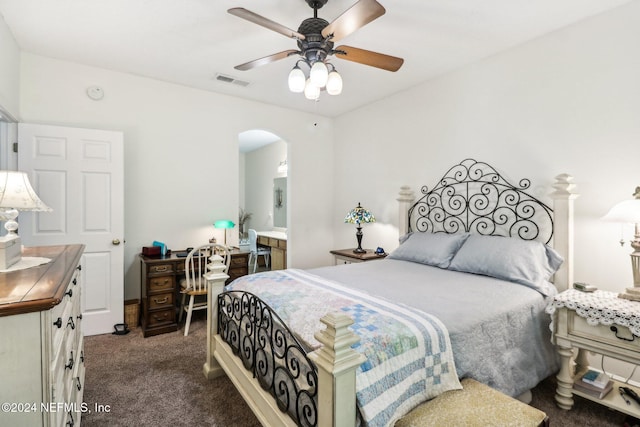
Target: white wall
{"type": "Point", "coordinates": [9, 71]}
{"type": "Point", "coordinates": [261, 167]}
{"type": "Point", "coordinates": [181, 154]}
{"type": "Point", "coordinates": [567, 102]}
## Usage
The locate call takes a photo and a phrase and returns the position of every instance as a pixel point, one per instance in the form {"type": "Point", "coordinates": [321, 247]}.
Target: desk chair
{"type": "Point", "coordinates": [256, 251]}
{"type": "Point", "coordinates": [194, 284]}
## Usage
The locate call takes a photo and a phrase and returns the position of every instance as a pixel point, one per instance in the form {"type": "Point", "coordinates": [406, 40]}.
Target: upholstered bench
{"type": "Point", "coordinates": [475, 405]}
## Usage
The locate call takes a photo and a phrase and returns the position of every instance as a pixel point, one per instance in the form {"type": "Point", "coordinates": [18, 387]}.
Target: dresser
{"type": "Point", "coordinates": [597, 322]}
{"type": "Point", "coordinates": [41, 341]}
{"type": "Point", "coordinates": [160, 293]}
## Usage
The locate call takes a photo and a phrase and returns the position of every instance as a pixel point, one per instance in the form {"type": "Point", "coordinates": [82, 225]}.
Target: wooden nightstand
{"type": "Point", "coordinates": [347, 256]}
{"type": "Point", "coordinates": [591, 322]}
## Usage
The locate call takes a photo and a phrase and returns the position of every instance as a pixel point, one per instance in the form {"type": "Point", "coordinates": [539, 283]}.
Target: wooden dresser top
{"type": "Point", "coordinates": [42, 287]}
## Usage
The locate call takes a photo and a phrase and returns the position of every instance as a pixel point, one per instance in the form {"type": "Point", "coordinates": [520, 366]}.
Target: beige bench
{"type": "Point", "coordinates": [475, 405]}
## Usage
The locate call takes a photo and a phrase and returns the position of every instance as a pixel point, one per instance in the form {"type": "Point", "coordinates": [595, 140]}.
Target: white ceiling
{"type": "Point", "coordinates": [189, 41]}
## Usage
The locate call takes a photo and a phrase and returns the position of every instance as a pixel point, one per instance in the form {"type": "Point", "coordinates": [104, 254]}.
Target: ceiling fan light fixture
{"type": "Point", "coordinates": [334, 83]}
{"type": "Point", "coordinates": [311, 91]}
{"type": "Point", "coordinates": [319, 74]}
{"type": "Point", "coordinates": [297, 80]}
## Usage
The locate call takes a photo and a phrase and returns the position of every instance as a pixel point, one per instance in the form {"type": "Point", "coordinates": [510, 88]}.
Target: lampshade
{"type": "Point", "coordinates": [16, 194]}
{"type": "Point", "coordinates": [359, 215]}
{"type": "Point", "coordinates": [627, 211]}
{"type": "Point", "coordinates": [224, 223]}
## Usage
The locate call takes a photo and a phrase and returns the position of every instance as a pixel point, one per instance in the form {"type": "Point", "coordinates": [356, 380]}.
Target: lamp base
{"type": "Point", "coordinates": [359, 251]}
{"type": "Point", "coordinates": [632, 294]}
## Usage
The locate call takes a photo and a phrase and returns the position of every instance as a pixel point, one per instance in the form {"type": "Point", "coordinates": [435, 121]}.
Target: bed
{"type": "Point", "coordinates": [457, 309]}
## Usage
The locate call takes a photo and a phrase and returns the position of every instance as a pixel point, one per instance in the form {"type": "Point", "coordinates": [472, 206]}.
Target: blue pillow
{"type": "Point", "coordinates": [526, 262]}
{"type": "Point", "coordinates": [436, 249]}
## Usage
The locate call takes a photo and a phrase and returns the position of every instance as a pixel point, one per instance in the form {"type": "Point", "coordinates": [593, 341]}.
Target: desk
{"type": "Point", "coordinates": [159, 281]}
{"type": "Point", "coordinates": [277, 241]}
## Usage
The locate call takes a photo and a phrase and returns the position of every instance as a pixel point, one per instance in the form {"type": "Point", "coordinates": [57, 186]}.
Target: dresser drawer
{"type": "Point", "coordinates": [239, 261]}
{"type": "Point", "coordinates": [159, 284]}
{"type": "Point", "coordinates": [579, 327]}
{"type": "Point", "coordinates": [160, 268]}
{"type": "Point", "coordinates": [161, 300]}
{"type": "Point", "coordinates": [238, 272]}
{"type": "Point", "coordinates": [162, 317]}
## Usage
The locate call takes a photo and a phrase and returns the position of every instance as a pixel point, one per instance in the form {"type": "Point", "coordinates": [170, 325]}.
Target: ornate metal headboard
{"type": "Point", "coordinates": [472, 196]}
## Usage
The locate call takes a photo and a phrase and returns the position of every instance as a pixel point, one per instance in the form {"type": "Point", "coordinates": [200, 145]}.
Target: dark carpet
{"type": "Point", "coordinates": [158, 381]}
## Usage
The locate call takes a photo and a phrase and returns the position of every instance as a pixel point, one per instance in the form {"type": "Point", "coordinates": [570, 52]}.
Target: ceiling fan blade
{"type": "Point", "coordinates": [243, 13]}
{"type": "Point", "coordinates": [357, 16]}
{"type": "Point", "coordinates": [266, 60]}
{"type": "Point", "coordinates": [367, 57]}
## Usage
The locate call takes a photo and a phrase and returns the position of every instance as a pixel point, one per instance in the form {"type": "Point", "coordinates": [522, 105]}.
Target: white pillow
{"type": "Point", "coordinates": [436, 249]}
{"type": "Point", "coordinates": [526, 262]}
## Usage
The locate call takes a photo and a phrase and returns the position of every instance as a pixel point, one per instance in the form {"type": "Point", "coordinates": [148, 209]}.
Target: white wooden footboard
{"type": "Point", "coordinates": [335, 360]}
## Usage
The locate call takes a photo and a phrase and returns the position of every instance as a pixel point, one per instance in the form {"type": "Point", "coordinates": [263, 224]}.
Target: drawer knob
{"type": "Point", "coordinates": [615, 331]}
{"type": "Point", "coordinates": [82, 356]}
{"type": "Point", "coordinates": [58, 323]}
{"type": "Point", "coordinates": [161, 301]}
{"type": "Point", "coordinates": [78, 384]}
{"type": "Point", "coordinates": [69, 292]}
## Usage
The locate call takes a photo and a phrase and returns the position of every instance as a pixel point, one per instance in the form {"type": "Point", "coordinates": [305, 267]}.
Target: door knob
{"type": "Point", "coordinates": [116, 242]}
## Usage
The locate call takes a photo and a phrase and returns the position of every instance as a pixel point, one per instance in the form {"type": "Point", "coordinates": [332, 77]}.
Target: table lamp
{"type": "Point", "coordinates": [358, 215]}
{"type": "Point", "coordinates": [16, 194]}
{"type": "Point", "coordinates": [628, 211]}
{"type": "Point", "coordinates": [226, 224]}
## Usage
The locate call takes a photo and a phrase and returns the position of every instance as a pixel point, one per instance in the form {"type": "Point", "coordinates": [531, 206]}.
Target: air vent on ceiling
{"type": "Point", "coordinates": [231, 80]}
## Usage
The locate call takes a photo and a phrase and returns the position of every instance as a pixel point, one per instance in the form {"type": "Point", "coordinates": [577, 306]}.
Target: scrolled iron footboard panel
{"type": "Point", "coordinates": [472, 196]}
{"type": "Point", "coordinates": [271, 353]}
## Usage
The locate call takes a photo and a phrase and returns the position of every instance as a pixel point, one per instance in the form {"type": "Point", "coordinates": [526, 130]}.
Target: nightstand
{"type": "Point", "coordinates": [594, 322]}
{"type": "Point", "coordinates": [347, 256]}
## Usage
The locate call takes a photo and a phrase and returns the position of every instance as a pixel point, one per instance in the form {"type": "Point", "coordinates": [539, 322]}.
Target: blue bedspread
{"type": "Point", "coordinates": [409, 356]}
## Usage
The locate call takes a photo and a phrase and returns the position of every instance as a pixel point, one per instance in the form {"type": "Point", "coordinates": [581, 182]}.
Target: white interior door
{"type": "Point", "coordinates": [79, 174]}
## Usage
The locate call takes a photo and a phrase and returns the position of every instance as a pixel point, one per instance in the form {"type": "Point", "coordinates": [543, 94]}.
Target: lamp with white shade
{"type": "Point", "coordinates": [16, 194]}
{"type": "Point", "coordinates": [628, 211]}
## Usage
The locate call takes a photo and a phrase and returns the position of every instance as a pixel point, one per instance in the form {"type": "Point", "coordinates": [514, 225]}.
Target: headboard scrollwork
{"type": "Point", "coordinates": [473, 197]}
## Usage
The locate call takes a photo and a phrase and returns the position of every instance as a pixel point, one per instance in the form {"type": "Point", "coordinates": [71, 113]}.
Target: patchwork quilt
{"type": "Point", "coordinates": [409, 356]}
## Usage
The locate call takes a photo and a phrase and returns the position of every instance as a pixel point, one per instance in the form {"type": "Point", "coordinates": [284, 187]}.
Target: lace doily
{"type": "Point", "coordinates": [599, 308]}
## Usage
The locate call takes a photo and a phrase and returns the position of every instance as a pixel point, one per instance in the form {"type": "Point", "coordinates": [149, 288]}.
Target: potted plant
{"type": "Point", "coordinates": [243, 217]}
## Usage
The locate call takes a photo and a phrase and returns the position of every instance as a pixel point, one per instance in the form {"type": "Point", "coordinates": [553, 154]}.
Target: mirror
{"type": "Point", "coordinates": [280, 202]}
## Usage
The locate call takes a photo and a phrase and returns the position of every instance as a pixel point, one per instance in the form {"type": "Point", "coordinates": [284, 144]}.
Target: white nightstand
{"type": "Point", "coordinates": [599, 322]}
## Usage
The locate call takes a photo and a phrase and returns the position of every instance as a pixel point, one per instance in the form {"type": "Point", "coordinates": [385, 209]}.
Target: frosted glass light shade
{"type": "Point", "coordinates": [297, 80]}
{"type": "Point", "coordinates": [319, 74]}
{"type": "Point", "coordinates": [334, 83]}
{"type": "Point", "coordinates": [311, 91]}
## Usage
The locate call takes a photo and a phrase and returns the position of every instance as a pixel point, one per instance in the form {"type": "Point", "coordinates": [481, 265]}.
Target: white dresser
{"type": "Point", "coordinates": [41, 341]}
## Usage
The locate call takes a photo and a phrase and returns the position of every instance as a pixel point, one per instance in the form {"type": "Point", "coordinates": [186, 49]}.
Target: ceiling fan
{"type": "Point", "coordinates": [315, 38]}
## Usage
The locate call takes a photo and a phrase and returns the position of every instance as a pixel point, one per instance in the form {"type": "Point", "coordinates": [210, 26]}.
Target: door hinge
{"type": "Point", "coordinates": [15, 147]}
